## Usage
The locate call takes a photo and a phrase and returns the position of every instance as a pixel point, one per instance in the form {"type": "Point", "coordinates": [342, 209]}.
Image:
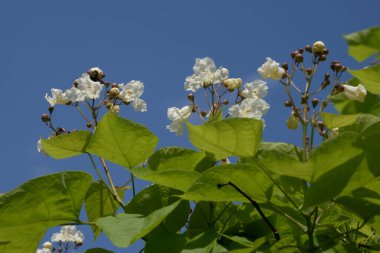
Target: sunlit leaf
{"type": "Point", "coordinates": [369, 77]}
{"type": "Point", "coordinates": [364, 43]}
{"type": "Point", "coordinates": [122, 141]}
{"type": "Point", "coordinates": [66, 145]}
{"type": "Point", "coordinates": [230, 137]}
{"type": "Point", "coordinates": [124, 229]}
{"type": "Point", "coordinates": [99, 202]}
{"type": "Point", "coordinates": [338, 120]}
{"type": "Point", "coordinates": [30, 209]}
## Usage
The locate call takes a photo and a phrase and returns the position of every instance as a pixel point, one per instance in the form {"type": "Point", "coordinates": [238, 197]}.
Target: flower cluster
{"type": "Point", "coordinates": [68, 237]}
{"type": "Point", "coordinates": [215, 81]}
{"type": "Point", "coordinates": [205, 73]}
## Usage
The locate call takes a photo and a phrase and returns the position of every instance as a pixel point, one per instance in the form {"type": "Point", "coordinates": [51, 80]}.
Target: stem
{"type": "Point", "coordinates": [221, 213]}
{"type": "Point", "coordinates": [254, 203]}
{"type": "Point", "coordinates": [133, 185]}
{"type": "Point", "coordinates": [83, 115]}
{"type": "Point", "coordinates": [115, 193]}
{"type": "Point", "coordinates": [96, 168]}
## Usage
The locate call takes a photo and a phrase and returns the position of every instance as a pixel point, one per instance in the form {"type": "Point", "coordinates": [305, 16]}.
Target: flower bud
{"type": "Point", "coordinates": [322, 57]}
{"type": "Point", "coordinates": [309, 71]}
{"type": "Point", "coordinates": [308, 48]}
{"type": "Point", "coordinates": [107, 84]}
{"type": "Point", "coordinates": [300, 50]}
{"type": "Point", "coordinates": [288, 103]}
{"type": "Point", "coordinates": [293, 54]}
{"type": "Point", "coordinates": [109, 105]}
{"type": "Point", "coordinates": [114, 85]}
{"type": "Point", "coordinates": [285, 66]}
{"type": "Point", "coordinates": [114, 92]}
{"type": "Point", "coordinates": [314, 102]}
{"type": "Point", "coordinates": [325, 51]}
{"type": "Point", "coordinates": [318, 47]}
{"type": "Point", "coordinates": [45, 117]}
{"type": "Point", "coordinates": [47, 245]}
{"type": "Point", "coordinates": [327, 76]}
{"type": "Point", "coordinates": [324, 104]}
{"type": "Point", "coordinates": [232, 83]}
{"type": "Point", "coordinates": [203, 113]}
{"type": "Point", "coordinates": [292, 121]}
{"type": "Point", "coordinates": [194, 108]}
{"type": "Point", "coordinates": [96, 74]}
{"type": "Point", "coordinates": [298, 57]}
{"type": "Point", "coordinates": [225, 102]}
{"type": "Point", "coordinates": [89, 125]}
{"type": "Point", "coordinates": [334, 132]}
{"type": "Point", "coordinates": [320, 125]}
{"type": "Point", "coordinates": [51, 109]}
{"type": "Point", "coordinates": [190, 97]}
{"type": "Point", "coordinates": [76, 83]}
{"type": "Point", "coordinates": [115, 109]}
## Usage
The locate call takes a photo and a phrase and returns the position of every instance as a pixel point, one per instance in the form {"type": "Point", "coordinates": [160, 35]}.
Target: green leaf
{"type": "Point", "coordinates": [248, 178]}
{"type": "Point", "coordinates": [99, 202]}
{"type": "Point", "coordinates": [29, 210]}
{"type": "Point", "coordinates": [180, 164]}
{"type": "Point", "coordinates": [344, 105]}
{"type": "Point", "coordinates": [174, 243]}
{"type": "Point", "coordinates": [156, 197]}
{"type": "Point", "coordinates": [282, 159]}
{"type": "Point", "coordinates": [66, 145]}
{"type": "Point", "coordinates": [338, 120]}
{"type": "Point", "coordinates": [98, 250]}
{"type": "Point", "coordinates": [122, 141]}
{"type": "Point", "coordinates": [369, 77]}
{"type": "Point", "coordinates": [363, 44]}
{"type": "Point", "coordinates": [124, 229]}
{"type": "Point", "coordinates": [229, 137]}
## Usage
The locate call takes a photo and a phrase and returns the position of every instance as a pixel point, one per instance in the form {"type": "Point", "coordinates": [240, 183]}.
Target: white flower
{"type": "Point", "coordinates": [271, 69]}
{"type": "Point", "coordinates": [47, 245]}
{"type": "Point", "coordinates": [253, 108]}
{"type": "Point", "coordinates": [115, 109]}
{"type": "Point", "coordinates": [96, 69]}
{"type": "Point", "coordinates": [57, 97]}
{"type": "Point", "coordinates": [131, 92]}
{"type": "Point", "coordinates": [334, 132]}
{"type": "Point", "coordinates": [232, 83]}
{"type": "Point", "coordinates": [43, 250]}
{"type": "Point", "coordinates": [257, 88]}
{"type": "Point", "coordinates": [89, 88]}
{"type": "Point", "coordinates": [357, 93]}
{"type": "Point", "coordinates": [139, 105]}
{"type": "Point", "coordinates": [177, 116]}
{"type": "Point", "coordinates": [68, 234]}
{"type": "Point", "coordinates": [75, 95]}
{"type": "Point", "coordinates": [318, 47]}
{"type": "Point", "coordinates": [205, 73]}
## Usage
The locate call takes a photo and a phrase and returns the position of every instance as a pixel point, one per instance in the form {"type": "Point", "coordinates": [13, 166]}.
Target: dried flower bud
{"type": "Point", "coordinates": [298, 57]}
{"type": "Point", "coordinates": [114, 92]}
{"type": "Point", "coordinates": [318, 47]}
{"type": "Point", "coordinates": [309, 71]}
{"type": "Point", "coordinates": [75, 84]}
{"type": "Point", "coordinates": [107, 84]}
{"type": "Point", "coordinates": [293, 54]}
{"type": "Point", "coordinates": [320, 125]}
{"type": "Point", "coordinates": [190, 97]}
{"type": "Point", "coordinates": [315, 102]}
{"type": "Point", "coordinates": [327, 76]}
{"type": "Point", "coordinates": [288, 103]}
{"type": "Point", "coordinates": [203, 113]}
{"type": "Point", "coordinates": [45, 117]}
{"type": "Point", "coordinates": [308, 48]}
{"type": "Point", "coordinates": [225, 102]}
{"type": "Point", "coordinates": [300, 50]}
{"type": "Point", "coordinates": [51, 109]}
{"type": "Point", "coordinates": [89, 125]}
{"type": "Point", "coordinates": [285, 66]}
{"type": "Point", "coordinates": [322, 57]}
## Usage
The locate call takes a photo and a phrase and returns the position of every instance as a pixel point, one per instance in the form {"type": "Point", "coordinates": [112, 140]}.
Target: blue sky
{"type": "Point", "coordinates": [48, 44]}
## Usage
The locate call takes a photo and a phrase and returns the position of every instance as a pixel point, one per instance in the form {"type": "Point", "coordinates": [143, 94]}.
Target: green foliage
{"type": "Point", "coordinates": [363, 44]}
{"type": "Point", "coordinates": [100, 202]}
{"type": "Point", "coordinates": [182, 164]}
{"type": "Point", "coordinates": [97, 250]}
{"type": "Point", "coordinates": [369, 77]}
{"type": "Point", "coordinates": [124, 229]}
{"type": "Point", "coordinates": [29, 210]}
{"type": "Point", "coordinates": [230, 137]}
{"type": "Point", "coordinates": [122, 141]}
{"type": "Point", "coordinates": [66, 145]}
{"type": "Point", "coordinates": [338, 120]}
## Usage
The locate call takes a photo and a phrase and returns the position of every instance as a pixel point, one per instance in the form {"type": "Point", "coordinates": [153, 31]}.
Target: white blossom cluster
{"type": "Point", "coordinates": [68, 237]}
{"type": "Point", "coordinates": [85, 88]}
{"type": "Point", "coordinates": [253, 106]}
{"type": "Point", "coordinates": [206, 74]}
